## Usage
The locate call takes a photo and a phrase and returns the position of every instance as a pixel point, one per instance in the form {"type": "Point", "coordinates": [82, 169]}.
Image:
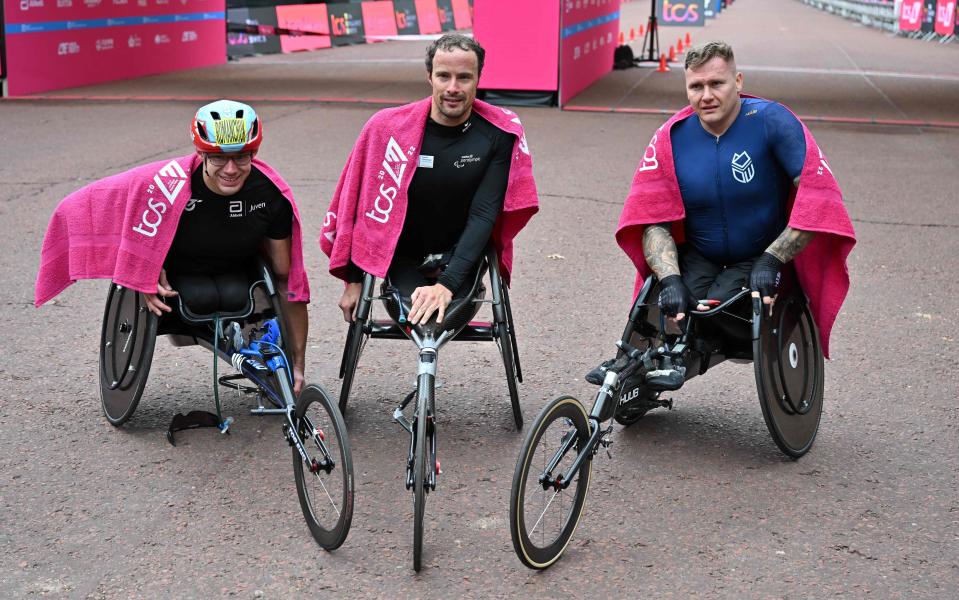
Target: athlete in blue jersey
{"type": "Point", "coordinates": [736, 162]}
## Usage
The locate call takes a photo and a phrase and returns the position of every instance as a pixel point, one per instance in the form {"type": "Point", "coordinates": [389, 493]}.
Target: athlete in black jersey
{"type": "Point", "coordinates": [457, 190]}
{"type": "Point", "coordinates": [235, 212]}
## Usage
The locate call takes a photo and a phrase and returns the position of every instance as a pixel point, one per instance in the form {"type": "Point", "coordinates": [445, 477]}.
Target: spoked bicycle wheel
{"type": "Point", "coordinates": [325, 488]}
{"type": "Point", "coordinates": [422, 451]}
{"type": "Point", "coordinates": [542, 518]}
{"type": "Point", "coordinates": [126, 352]}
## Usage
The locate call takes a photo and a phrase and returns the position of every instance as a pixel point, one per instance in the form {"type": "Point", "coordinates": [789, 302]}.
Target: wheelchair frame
{"type": "Point", "coordinates": [128, 338]}
{"type": "Point", "coordinates": [782, 338]}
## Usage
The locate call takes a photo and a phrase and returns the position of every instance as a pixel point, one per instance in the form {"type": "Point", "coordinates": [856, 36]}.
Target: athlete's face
{"type": "Point", "coordinates": [225, 174]}
{"type": "Point", "coordinates": [713, 91]}
{"type": "Point", "coordinates": [454, 79]}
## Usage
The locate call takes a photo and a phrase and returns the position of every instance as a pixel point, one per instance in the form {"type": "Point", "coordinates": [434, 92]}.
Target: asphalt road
{"type": "Point", "coordinates": [694, 502]}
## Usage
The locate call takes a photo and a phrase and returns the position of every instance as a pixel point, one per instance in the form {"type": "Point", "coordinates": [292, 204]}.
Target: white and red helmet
{"type": "Point", "coordinates": [226, 126]}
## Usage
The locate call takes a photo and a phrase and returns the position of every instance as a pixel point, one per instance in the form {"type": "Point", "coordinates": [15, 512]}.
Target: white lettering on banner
{"type": "Point", "coordinates": [92, 3]}
{"type": "Point", "coordinates": [394, 157]}
{"type": "Point", "coordinates": [28, 4]}
{"type": "Point", "coordinates": [65, 48]}
{"type": "Point", "coordinates": [945, 12]}
{"type": "Point", "coordinates": [822, 164]}
{"type": "Point", "coordinates": [161, 38]}
{"type": "Point", "coordinates": [188, 36]}
{"type": "Point", "coordinates": [912, 12]}
{"type": "Point", "coordinates": [649, 157]}
{"type": "Point", "coordinates": [134, 41]}
{"type": "Point", "coordinates": [104, 44]}
{"type": "Point", "coordinates": [327, 220]}
{"type": "Point", "coordinates": [64, 3]}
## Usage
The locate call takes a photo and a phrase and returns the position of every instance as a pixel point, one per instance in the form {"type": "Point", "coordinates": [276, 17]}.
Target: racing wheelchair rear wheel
{"type": "Point", "coordinates": [788, 363]}
{"type": "Point", "coordinates": [127, 340]}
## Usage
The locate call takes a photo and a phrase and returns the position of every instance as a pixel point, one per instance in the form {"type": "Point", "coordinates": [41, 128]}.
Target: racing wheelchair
{"type": "Point", "coordinates": [552, 473]}
{"type": "Point", "coordinates": [253, 343]}
{"type": "Point", "coordinates": [422, 464]}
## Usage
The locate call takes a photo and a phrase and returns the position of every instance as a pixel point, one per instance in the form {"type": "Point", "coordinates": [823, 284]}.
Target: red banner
{"type": "Point", "coordinates": [308, 18]}
{"type": "Point", "coordinates": [945, 16]}
{"type": "Point", "coordinates": [910, 15]}
{"type": "Point", "coordinates": [428, 16]}
{"type": "Point", "coordinates": [461, 14]}
{"type": "Point", "coordinates": [378, 19]}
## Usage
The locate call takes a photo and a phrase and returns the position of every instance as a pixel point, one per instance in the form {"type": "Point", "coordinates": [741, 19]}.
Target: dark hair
{"type": "Point", "coordinates": [697, 56]}
{"type": "Point", "coordinates": [454, 41]}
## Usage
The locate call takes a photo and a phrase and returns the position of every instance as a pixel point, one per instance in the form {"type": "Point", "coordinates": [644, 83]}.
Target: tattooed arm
{"type": "Point", "coordinates": [659, 248]}
{"type": "Point", "coordinates": [789, 244]}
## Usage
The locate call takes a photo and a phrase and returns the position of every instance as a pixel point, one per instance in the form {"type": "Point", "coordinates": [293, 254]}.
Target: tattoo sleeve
{"type": "Point", "coordinates": [790, 243]}
{"type": "Point", "coordinates": [659, 248]}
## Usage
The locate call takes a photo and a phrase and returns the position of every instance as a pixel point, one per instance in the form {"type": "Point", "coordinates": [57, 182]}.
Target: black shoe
{"type": "Point", "coordinates": [598, 374]}
{"type": "Point", "coordinates": [668, 378]}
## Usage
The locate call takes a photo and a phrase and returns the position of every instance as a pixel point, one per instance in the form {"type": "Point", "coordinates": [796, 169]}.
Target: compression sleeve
{"type": "Point", "coordinates": [484, 210]}
{"type": "Point", "coordinates": [354, 274]}
{"type": "Point", "coordinates": [785, 135]}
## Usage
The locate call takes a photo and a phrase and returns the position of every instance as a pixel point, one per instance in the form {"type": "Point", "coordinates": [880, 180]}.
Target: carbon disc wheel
{"type": "Point", "coordinates": [127, 339]}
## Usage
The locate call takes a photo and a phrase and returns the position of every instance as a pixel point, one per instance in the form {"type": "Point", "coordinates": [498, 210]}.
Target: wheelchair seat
{"type": "Point", "coordinates": [461, 310]}
{"type": "Point", "coordinates": [203, 298]}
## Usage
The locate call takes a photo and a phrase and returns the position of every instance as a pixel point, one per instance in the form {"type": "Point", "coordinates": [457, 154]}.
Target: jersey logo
{"type": "Point", "coordinates": [191, 204]}
{"type": "Point", "coordinates": [465, 160]}
{"type": "Point", "coordinates": [236, 208]}
{"type": "Point", "coordinates": [743, 169]}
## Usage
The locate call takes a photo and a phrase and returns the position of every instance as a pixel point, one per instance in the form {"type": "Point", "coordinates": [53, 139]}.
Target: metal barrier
{"type": "Point", "coordinates": [882, 14]}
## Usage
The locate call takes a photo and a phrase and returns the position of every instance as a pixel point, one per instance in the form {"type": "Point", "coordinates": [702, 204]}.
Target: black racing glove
{"type": "Point", "coordinates": [764, 277]}
{"type": "Point", "coordinates": [674, 296]}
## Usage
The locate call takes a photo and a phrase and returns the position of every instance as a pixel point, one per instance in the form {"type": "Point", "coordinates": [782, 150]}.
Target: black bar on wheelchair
{"type": "Point", "coordinates": [721, 307]}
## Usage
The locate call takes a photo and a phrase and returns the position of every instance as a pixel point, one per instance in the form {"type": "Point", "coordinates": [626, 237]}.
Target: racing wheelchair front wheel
{"type": "Point", "coordinates": [324, 487]}
{"type": "Point", "coordinates": [788, 363]}
{"type": "Point", "coordinates": [542, 514]}
{"type": "Point", "coordinates": [127, 340]}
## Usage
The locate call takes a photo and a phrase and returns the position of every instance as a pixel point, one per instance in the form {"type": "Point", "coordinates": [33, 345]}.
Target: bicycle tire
{"type": "Point", "coordinates": [542, 556]}
{"type": "Point", "coordinates": [326, 418]}
{"type": "Point", "coordinates": [424, 401]}
{"type": "Point", "coordinates": [505, 343]}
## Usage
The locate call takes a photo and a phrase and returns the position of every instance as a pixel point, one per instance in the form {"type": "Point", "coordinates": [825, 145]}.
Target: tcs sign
{"type": "Point", "coordinates": [681, 13]}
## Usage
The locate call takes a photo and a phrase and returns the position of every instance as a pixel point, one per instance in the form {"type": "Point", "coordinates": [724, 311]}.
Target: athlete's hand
{"type": "Point", "coordinates": [298, 380]}
{"type": "Point", "coordinates": [154, 302]}
{"type": "Point", "coordinates": [675, 299]}
{"type": "Point", "coordinates": [765, 275]}
{"type": "Point", "coordinates": [349, 300]}
{"type": "Point", "coordinates": [427, 300]}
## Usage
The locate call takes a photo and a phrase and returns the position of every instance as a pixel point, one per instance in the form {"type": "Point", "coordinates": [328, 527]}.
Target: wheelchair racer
{"type": "Point", "coordinates": [722, 177]}
{"type": "Point", "coordinates": [427, 224]}
{"type": "Point", "coordinates": [192, 225]}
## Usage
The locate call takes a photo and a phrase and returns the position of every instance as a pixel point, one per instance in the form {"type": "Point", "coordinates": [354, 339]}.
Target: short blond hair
{"type": "Point", "coordinates": [699, 55]}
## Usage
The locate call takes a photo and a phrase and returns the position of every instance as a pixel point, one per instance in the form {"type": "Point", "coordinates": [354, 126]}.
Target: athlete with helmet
{"type": "Point", "coordinates": [234, 213]}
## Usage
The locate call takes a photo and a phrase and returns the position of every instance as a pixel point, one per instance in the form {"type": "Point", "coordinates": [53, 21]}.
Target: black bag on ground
{"type": "Point", "coordinates": [623, 57]}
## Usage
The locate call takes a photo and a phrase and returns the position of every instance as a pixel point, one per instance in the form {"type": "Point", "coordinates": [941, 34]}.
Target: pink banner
{"type": "Point", "coordinates": [50, 60]}
{"type": "Point", "coordinates": [522, 44]}
{"type": "Point", "coordinates": [378, 19]}
{"type": "Point", "coordinates": [55, 44]}
{"type": "Point", "coordinates": [910, 15]}
{"type": "Point", "coordinates": [945, 16]}
{"type": "Point", "coordinates": [462, 18]}
{"type": "Point", "coordinates": [428, 16]}
{"type": "Point", "coordinates": [308, 18]}
{"type": "Point", "coordinates": [589, 37]}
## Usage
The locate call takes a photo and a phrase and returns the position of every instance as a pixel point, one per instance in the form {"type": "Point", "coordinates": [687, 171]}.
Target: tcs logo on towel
{"type": "Point", "coordinates": [394, 165]}
{"type": "Point", "coordinates": [169, 181]}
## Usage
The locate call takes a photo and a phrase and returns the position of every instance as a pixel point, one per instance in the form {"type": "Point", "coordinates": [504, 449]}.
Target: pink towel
{"type": "Point", "coordinates": [366, 215]}
{"type": "Point", "coordinates": [817, 206]}
{"type": "Point", "coordinates": [121, 228]}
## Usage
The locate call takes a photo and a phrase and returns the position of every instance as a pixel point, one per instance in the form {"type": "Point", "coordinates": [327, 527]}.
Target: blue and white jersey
{"type": "Point", "coordinates": [735, 187]}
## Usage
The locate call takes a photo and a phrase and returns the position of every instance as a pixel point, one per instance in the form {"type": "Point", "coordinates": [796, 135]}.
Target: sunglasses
{"type": "Point", "coordinates": [220, 160]}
